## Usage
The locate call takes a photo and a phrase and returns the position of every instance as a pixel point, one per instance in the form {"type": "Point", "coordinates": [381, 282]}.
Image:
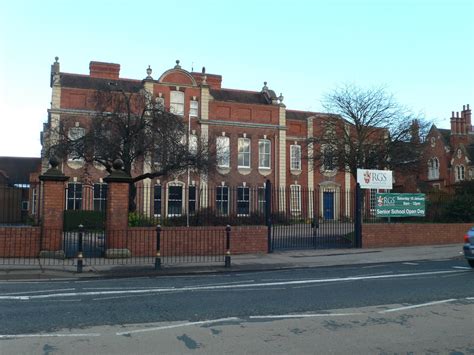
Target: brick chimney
{"type": "Point", "coordinates": [466, 114]}
{"type": "Point", "coordinates": [454, 124]}
{"type": "Point", "coordinates": [415, 131]}
{"type": "Point", "coordinates": [460, 126]}
{"type": "Point", "coordinates": [104, 70]}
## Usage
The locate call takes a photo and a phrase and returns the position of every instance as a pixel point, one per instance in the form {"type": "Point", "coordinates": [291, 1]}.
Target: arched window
{"type": "Point", "coordinates": [460, 173]}
{"type": "Point", "coordinates": [433, 169]}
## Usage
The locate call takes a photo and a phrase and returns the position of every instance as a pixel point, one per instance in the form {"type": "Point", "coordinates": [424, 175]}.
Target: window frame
{"type": "Point", "coordinates": [222, 205]}
{"type": "Point", "coordinates": [433, 168]}
{"type": "Point", "coordinates": [460, 173]}
{"type": "Point", "coordinates": [177, 102]}
{"type": "Point", "coordinates": [243, 153]}
{"type": "Point", "coordinates": [192, 199]}
{"type": "Point", "coordinates": [194, 111]}
{"type": "Point", "coordinates": [157, 200]}
{"type": "Point", "coordinates": [174, 201]}
{"type": "Point", "coordinates": [295, 199]}
{"type": "Point", "coordinates": [329, 157]}
{"type": "Point", "coordinates": [295, 157]}
{"type": "Point", "coordinates": [223, 151]}
{"type": "Point", "coordinates": [74, 196]}
{"type": "Point", "coordinates": [102, 198]}
{"type": "Point", "coordinates": [243, 201]}
{"type": "Point", "coordinates": [261, 200]}
{"type": "Point", "coordinates": [263, 143]}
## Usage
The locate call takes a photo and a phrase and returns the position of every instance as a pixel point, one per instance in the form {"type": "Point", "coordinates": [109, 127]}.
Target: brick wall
{"type": "Point", "coordinates": [192, 241]}
{"type": "Point", "coordinates": [19, 242]}
{"type": "Point", "coordinates": [249, 240]}
{"type": "Point", "coordinates": [410, 234]}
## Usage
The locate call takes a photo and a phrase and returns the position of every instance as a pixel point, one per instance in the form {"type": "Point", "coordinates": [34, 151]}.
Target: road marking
{"type": "Point", "coordinates": [417, 306]}
{"type": "Point", "coordinates": [306, 315]}
{"type": "Point", "coordinates": [462, 267]}
{"type": "Point", "coordinates": [377, 273]}
{"type": "Point", "coordinates": [119, 288]}
{"type": "Point", "coordinates": [217, 287]}
{"type": "Point", "coordinates": [42, 291]}
{"type": "Point", "coordinates": [7, 336]}
{"type": "Point", "coordinates": [408, 263]}
{"type": "Point", "coordinates": [177, 326]}
{"type": "Point", "coordinates": [36, 281]}
{"type": "Point", "coordinates": [470, 298]}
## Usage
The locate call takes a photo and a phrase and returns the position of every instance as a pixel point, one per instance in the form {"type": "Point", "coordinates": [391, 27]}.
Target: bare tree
{"type": "Point", "coordinates": [134, 127]}
{"type": "Point", "coordinates": [366, 129]}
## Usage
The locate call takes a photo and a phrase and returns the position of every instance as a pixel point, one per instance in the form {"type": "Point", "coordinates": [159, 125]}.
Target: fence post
{"type": "Point", "coordinates": [158, 248]}
{"type": "Point", "coordinates": [80, 255]}
{"type": "Point", "coordinates": [268, 213]}
{"type": "Point", "coordinates": [358, 217]}
{"type": "Point", "coordinates": [227, 246]}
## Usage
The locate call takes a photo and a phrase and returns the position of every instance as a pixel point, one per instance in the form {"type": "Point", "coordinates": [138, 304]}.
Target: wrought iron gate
{"type": "Point", "coordinates": [310, 219]}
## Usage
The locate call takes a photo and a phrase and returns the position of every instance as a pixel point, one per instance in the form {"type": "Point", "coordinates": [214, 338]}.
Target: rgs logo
{"type": "Point", "coordinates": [385, 201]}
{"type": "Point", "coordinates": [376, 177]}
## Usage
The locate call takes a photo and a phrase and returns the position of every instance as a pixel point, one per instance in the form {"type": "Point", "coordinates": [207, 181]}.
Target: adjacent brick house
{"type": "Point", "coordinates": [449, 154]}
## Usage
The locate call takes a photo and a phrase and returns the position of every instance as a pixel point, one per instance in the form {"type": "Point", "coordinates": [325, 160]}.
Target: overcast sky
{"type": "Point", "coordinates": [422, 51]}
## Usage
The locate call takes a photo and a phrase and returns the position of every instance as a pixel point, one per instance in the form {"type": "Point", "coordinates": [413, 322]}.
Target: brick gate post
{"type": "Point", "coordinates": [53, 204]}
{"type": "Point", "coordinates": [116, 224]}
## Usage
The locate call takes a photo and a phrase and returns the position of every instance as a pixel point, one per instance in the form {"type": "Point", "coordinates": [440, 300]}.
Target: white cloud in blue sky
{"type": "Point", "coordinates": [422, 51]}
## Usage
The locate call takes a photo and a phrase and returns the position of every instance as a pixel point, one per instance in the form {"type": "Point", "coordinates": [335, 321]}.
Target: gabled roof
{"type": "Point", "coordinates": [18, 169]}
{"type": "Point", "coordinates": [87, 82]}
{"type": "Point", "coordinates": [445, 133]}
{"type": "Point", "coordinates": [470, 152]}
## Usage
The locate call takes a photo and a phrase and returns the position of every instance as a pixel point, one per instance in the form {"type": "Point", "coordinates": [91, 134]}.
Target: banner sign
{"type": "Point", "coordinates": [400, 205]}
{"type": "Point", "coordinates": [374, 179]}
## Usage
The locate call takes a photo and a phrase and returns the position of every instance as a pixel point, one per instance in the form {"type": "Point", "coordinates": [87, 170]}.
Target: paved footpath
{"type": "Point", "coordinates": [249, 262]}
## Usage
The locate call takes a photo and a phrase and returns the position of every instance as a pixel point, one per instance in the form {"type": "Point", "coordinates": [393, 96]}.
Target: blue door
{"type": "Point", "coordinates": [328, 204]}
